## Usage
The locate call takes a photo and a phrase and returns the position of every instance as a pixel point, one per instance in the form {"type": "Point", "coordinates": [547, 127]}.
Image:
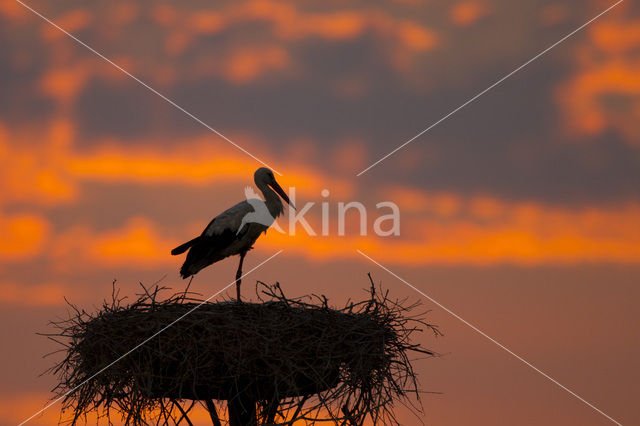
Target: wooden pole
{"type": "Point", "coordinates": [242, 410]}
{"type": "Point", "coordinates": [213, 413]}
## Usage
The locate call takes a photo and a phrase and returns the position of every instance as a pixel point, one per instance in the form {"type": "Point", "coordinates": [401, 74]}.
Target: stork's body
{"type": "Point", "coordinates": [227, 234]}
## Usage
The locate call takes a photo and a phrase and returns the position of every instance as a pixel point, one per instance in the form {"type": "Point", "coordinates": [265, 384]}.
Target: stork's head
{"type": "Point", "coordinates": [264, 176]}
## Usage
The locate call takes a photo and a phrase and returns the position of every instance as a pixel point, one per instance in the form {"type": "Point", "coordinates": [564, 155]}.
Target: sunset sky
{"type": "Point", "coordinates": [520, 213]}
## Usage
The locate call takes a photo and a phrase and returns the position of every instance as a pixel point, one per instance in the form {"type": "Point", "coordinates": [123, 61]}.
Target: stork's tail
{"type": "Point", "coordinates": [203, 251]}
{"type": "Point", "coordinates": [184, 247]}
{"type": "Point", "coordinates": [194, 264]}
{"type": "Point", "coordinates": [185, 272]}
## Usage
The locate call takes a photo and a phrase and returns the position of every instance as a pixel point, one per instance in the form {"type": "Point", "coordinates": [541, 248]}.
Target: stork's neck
{"type": "Point", "coordinates": [273, 202]}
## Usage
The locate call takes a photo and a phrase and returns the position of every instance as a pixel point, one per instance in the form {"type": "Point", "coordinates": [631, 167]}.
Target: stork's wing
{"type": "Point", "coordinates": [211, 245]}
{"type": "Point", "coordinates": [228, 220]}
{"type": "Point", "coordinates": [225, 223]}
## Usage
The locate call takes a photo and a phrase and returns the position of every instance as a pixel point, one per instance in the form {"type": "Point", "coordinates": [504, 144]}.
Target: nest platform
{"type": "Point", "coordinates": [272, 362]}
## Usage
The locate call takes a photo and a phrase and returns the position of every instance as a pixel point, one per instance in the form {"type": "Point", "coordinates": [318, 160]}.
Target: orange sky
{"type": "Point", "coordinates": [536, 182]}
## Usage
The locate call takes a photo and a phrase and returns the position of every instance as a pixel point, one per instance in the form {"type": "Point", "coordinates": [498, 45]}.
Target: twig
{"type": "Point", "coordinates": [184, 413]}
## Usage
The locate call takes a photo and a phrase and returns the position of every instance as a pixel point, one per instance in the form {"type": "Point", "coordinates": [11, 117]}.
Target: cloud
{"type": "Point", "coordinates": [529, 236]}
{"type": "Point", "coordinates": [604, 91]}
{"type": "Point", "coordinates": [47, 294]}
{"type": "Point", "coordinates": [196, 162]}
{"type": "Point", "coordinates": [137, 243]}
{"type": "Point", "coordinates": [245, 65]}
{"type": "Point", "coordinates": [438, 227]}
{"type": "Point", "coordinates": [43, 168]}
{"type": "Point", "coordinates": [65, 83]}
{"type": "Point", "coordinates": [31, 170]}
{"type": "Point", "coordinates": [22, 236]}
{"type": "Point", "coordinates": [443, 228]}
{"type": "Point", "coordinates": [279, 29]}
{"type": "Point", "coordinates": [481, 231]}
{"type": "Point", "coordinates": [13, 10]}
{"type": "Point", "coordinates": [72, 21]}
{"type": "Point", "coordinates": [290, 22]}
{"type": "Point", "coordinates": [466, 13]}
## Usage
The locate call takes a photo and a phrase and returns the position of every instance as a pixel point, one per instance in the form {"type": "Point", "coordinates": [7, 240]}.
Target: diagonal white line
{"type": "Point", "coordinates": [490, 87]}
{"type": "Point", "coordinates": [500, 345]}
{"type": "Point", "coordinates": [151, 337]}
{"type": "Point", "coordinates": [151, 89]}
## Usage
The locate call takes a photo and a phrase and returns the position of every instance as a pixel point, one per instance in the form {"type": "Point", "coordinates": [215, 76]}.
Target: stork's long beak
{"type": "Point", "coordinates": [276, 187]}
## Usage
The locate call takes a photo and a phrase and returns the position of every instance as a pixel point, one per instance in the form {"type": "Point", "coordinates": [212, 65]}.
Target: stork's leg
{"type": "Point", "coordinates": [239, 274]}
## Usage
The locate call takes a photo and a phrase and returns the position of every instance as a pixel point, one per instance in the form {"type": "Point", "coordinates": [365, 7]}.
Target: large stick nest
{"type": "Point", "coordinates": [299, 359]}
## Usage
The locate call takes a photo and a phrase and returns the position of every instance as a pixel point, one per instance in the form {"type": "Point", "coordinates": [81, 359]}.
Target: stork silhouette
{"type": "Point", "coordinates": [235, 230]}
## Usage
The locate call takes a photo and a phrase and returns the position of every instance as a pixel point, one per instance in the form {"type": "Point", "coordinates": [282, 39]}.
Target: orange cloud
{"type": "Point", "coordinates": [417, 37]}
{"type": "Point", "coordinates": [72, 21]}
{"type": "Point", "coordinates": [616, 36]}
{"type": "Point", "coordinates": [437, 227]}
{"type": "Point", "coordinates": [487, 231]}
{"type": "Point", "coordinates": [207, 22]}
{"type": "Point", "coordinates": [196, 162]}
{"type": "Point", "coordinates": [292, 23]}
{"type": "Point", "coordinates": [529, 235]}
{"type": "Point", "coordinates": [467, 13]}
{"type": "Point", "coordinates": [183, 27]}
{"type": "Point", "coordinates": [198, 166]}
{"type": "Point", "coordinates": [22, 236]}
{"type": "Point", "coordinates": [334, 25]}
{"type": "Point", "coordinates": [30, 171]}
{"type": "Point", "coordinates": [64, 80]}
{"type": "Point", "coordinates": [64, 84]}
{"type": "Point", "coordinates": [602, 97]}
{"type": "Point", "coordinates": [45, 170]}
{"type": "Point", "coordinates": [13, 10]}
{"type": "Point", "coordinates": [247, 64]}
{"type": "Point", "coordinates": [604, 92]}
{"type": "Point", "coordinates": [448, 229]}
{"type": "Point", "coordinates": [137, 243]}
{"type": "Point", "coordinates": [49, 294]}
{"type": "Point", "coordinates": [444, 227]}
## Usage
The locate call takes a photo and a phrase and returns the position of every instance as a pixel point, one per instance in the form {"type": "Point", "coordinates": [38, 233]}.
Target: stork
{"type": "Point", "coordinates": [235, 230]}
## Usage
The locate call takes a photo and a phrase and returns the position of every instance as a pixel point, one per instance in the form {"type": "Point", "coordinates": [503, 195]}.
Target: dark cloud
{"type": "Point", "coordinates": [124, 110]}
{"type": "Point", "coordinates": [20, 66]}
{"type": "Point", "coordinates": [506, 143]}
